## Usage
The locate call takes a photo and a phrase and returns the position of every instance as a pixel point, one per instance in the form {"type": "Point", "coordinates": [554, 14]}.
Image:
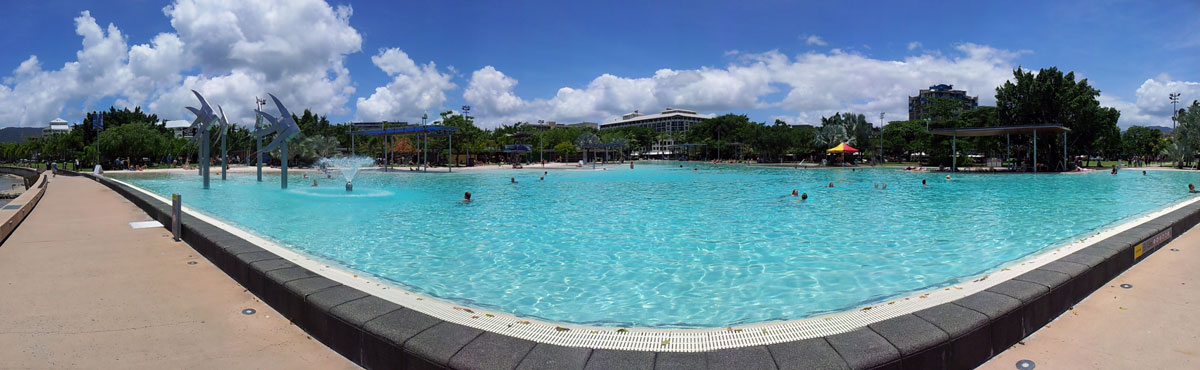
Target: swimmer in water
{"type": "Point", "coordinates": [924, 183]}
{"type": "Point", "coordinates": [830, 185]}
{"type": "Point", "coordinates": [803, 197]}
{"type": "Point", "coordinates": [795, 192]}
{"type": "Point", "coordinates": [466, 197]}
{"type": "Point", "coordinates": [314, 183]}
{"type": "Point", "coordinates": [884, 187]}
{"type": "Point", "coordinates": [1191, 188]}
{"type": "Point", "coordinates": [947, 177]}
{"type": "Point", "coordinates": [512, 180]}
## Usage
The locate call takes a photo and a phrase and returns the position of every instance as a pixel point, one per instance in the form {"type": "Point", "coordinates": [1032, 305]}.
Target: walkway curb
{"type": "Point", "coordinates": [12, 217]}
{"type": "Point", "coordinates": [962, 334]}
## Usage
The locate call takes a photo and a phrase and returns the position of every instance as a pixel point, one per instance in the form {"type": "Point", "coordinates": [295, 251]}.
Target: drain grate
{"type": "Point", "coordinates": [191, 262]}
{"type": "Point", "coordinates": [1127, 286]}
{"type": "Point", "coordinates": [248, 311]}
{"type": "Point", "coordinates": [1026, 365]}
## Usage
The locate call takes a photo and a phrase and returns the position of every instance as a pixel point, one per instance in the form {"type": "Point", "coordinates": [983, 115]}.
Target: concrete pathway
{"type": "Point", "coordinates": [79, 288]}
{"type": "Point", "coordinates": [1153, 325]}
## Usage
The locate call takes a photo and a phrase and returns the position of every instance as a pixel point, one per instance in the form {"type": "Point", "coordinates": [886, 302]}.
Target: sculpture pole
{"type": "Point", "coordinates": [204, 161]}
{"type": "Point", "coordinates": [258, 142]}
{"type": "Point", "coordinates": [258, 151]}
{"type": "Point", "coordinates": [224, 154]}
{"type": "Point", "coordinates": [283, 157]}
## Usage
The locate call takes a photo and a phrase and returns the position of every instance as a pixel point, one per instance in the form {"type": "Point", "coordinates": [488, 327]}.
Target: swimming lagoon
{"type": "Point", "coordinates": [698, 246]}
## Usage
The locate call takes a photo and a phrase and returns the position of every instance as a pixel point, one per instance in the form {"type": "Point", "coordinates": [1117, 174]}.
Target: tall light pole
{"type": "Point", "coordinates": [881, 138]}
{"type": "Point", "coordinates": [258, 143]}
{"type": "Point", "coordinates": [466, 109]}
{"type": "Point", "coordinates": [1174, 112]}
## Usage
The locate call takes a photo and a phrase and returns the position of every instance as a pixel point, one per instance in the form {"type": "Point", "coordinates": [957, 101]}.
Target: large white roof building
{"type": "Point", "coordinates": [670, 120]}
{"type": "Point", "coordinates": [58, 125]}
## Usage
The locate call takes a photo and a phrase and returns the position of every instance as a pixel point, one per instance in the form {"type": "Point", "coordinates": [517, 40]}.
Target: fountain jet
{"type": "Point", "coordinates": [348, 167]}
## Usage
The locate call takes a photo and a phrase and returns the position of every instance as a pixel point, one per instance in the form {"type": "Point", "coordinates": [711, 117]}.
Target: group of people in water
{"type": "Point", "coordinates": [880, 186]}
{"type": "Point", "coordinates": [796, 192]}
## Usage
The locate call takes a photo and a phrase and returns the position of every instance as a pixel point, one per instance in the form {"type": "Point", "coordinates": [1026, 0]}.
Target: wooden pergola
{"type": "Point", "coordinates": [1007, 131]}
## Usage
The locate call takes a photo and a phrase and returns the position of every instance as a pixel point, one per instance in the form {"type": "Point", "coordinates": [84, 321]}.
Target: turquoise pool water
{"type": "Point", "coordinates": [667, 246]}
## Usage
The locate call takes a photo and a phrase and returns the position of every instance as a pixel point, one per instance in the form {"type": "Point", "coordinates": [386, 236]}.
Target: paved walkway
{"type": "Point", "coordinates": [79, 288]}
{"type": "Point", "coordinates": [1153, 325]}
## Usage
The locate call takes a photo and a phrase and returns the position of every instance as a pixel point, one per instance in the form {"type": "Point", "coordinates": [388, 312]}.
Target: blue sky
{"type": "Point", "coordinates": [579, 61]}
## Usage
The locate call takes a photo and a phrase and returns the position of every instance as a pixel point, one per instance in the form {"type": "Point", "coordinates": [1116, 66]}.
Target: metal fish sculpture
{"type": "Point", "coordinates": [223, 127]}
{"type": "Point", "coordinates": [204, 117]}
{"type": "Point", "coordinates": [283, 126]}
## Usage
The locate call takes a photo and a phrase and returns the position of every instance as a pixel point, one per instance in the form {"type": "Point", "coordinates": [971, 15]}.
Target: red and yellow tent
{"type": "Point", "coordinates": [841, 148]}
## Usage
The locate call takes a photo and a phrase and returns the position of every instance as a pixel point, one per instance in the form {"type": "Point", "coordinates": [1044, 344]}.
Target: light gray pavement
{"type": "Point", "coordinates": [1154, 325]}
{"type": "Point", "coordinates": [79, 288]}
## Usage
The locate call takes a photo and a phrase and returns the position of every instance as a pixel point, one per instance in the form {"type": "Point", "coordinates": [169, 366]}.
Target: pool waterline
{"type": "Point", "coordinates": [844, 183]}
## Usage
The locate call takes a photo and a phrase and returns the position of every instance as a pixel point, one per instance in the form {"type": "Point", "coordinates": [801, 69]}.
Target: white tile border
{"type": "Point", "coordinates": [671, 340]}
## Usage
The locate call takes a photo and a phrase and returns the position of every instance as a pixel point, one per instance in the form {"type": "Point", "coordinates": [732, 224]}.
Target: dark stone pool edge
{"type": "Point", "coordinates": [962, 334]}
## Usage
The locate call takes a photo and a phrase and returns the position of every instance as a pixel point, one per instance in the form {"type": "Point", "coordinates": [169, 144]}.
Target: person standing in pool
{"type": "Point", "coordinates": [512, 180]}
{"type": "Point", "coordinates": [924, 183]}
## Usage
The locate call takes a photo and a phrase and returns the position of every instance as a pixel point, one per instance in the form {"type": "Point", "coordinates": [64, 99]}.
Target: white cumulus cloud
{"type": "Point", "coordinates": [414, 89]}
{"type": "Point", "coordinates": [1152, 104]}
{"type": "Point", "coordinates": [815, 40]}
{"type": "Point", "coordinates": [809, 85]}
{"type": "Point", "coordinates": [294, 49]}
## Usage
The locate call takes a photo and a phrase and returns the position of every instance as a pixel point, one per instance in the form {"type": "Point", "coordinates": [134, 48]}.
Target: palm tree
{"type": "Point", "coordinates": [321, 146]}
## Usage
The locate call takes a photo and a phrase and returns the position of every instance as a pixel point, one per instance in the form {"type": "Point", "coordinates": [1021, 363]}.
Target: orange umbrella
{"type": "Point", "coordinates": [841, 148]}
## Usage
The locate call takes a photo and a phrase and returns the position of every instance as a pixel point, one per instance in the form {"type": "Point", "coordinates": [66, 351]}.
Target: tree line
{"type": "Point", "coordinates": [1048, 96]}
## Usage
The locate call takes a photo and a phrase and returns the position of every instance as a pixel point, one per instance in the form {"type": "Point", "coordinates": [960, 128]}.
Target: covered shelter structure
{"type": "Point", "coordinates": [421, 132]}
{"type": "Point", "coordinates": [842, 149]}
{"type": "Point", "coordinates": [1007, 131]}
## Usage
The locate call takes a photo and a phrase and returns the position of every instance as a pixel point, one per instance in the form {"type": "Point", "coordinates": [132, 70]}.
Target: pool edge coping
{"type": "Point", "coordinates": [1022, 286]}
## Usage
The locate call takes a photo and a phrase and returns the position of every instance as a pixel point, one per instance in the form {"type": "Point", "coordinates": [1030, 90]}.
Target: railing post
{"type": "Point", "coordinates": [176, 215]}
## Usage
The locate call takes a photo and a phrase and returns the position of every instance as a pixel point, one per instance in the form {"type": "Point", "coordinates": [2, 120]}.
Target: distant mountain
{"type": "Point", "coordinates": [18, 134]}
{"type": "Point", "coordinates": [1164, 129]}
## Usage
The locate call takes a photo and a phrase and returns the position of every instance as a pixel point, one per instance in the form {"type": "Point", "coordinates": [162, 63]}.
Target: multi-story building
{"type": "Point", "coordinates": [551, 124]}
{"type": "Point", "coordinates": [917, 104]}
{"type": "Point", "coordinates": [671, 121]}
{"type": "Point", "coordinates": [57, 126]}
